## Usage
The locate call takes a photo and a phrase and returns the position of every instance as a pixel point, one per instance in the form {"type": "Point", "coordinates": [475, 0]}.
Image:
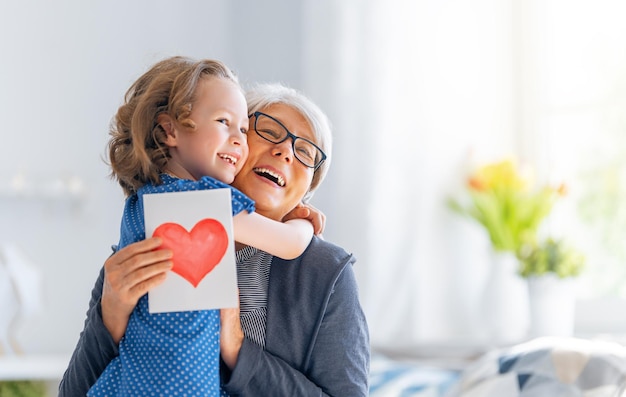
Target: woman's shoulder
{"type": "Point", "coordinates": [319, 246]}
{"type": "Point", "coordinates": [320, 266]}
{"type": "Point", "coordinates": [322, 254]}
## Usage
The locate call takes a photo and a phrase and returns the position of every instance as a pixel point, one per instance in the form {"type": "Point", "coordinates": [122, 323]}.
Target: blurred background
{"type": "Point", "coordinates": [418, 92]}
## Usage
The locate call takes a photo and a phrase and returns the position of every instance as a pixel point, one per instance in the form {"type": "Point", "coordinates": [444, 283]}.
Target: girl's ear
{"type": "Point", "coordinates": [166, 122]}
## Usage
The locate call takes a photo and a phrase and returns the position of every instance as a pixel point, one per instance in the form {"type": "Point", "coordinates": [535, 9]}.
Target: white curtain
{"type": "Point", "coordinates": [415, 90]}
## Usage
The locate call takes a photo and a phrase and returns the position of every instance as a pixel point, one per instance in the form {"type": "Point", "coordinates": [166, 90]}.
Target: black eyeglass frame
{"type": "Point", "coordinates": [293, 137]}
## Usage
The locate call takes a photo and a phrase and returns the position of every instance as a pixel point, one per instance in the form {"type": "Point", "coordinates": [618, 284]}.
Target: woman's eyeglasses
{"type": "Point", "coordinates": [273, 131]}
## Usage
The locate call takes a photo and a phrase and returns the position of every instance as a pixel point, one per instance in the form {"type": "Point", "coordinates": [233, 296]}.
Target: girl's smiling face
{"type": "Point", "coordinates": [217, 146]}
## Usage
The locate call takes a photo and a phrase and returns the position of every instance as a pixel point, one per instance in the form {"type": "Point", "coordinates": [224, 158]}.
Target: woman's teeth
{"type": "Point", "coordinates": [276, 178]}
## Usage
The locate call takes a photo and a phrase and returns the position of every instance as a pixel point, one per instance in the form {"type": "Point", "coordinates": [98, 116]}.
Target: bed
{"type": "Point", "coordinates": [549, 366]}
{"type": "Point", "coordinates": [391, 377]}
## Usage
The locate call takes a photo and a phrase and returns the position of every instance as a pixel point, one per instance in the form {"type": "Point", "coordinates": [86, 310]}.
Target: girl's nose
{"type": "Point", "coordinates": [237, 137]}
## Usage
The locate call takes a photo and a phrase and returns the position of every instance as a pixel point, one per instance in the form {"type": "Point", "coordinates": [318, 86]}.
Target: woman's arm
{"type": "Point", "coordinates": [124, 278]}
{"type": "Point", "coordinates": [340, 358]}
{"type": "Point", "coordinates": [94, 350]}
{"type": "Point", "coordinates": [286, 240]}
{"type": "Point", "coordinates": [337, 365]}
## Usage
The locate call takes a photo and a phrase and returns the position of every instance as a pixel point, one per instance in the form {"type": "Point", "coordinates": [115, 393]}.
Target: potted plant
{"type": "Point", "coordinates": [502, 198]}
{"type": "Point", "coordinates": [550, 268]}
{"type": "Point", "coordinates": [551, 257]}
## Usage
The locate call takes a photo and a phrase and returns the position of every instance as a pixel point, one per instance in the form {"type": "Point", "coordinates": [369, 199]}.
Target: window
{"type": "Point", "coordinates": [573, 113]}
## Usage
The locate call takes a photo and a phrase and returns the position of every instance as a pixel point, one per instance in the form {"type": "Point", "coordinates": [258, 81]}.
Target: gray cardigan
{"type": "Point", "coordinates": [317, 340]}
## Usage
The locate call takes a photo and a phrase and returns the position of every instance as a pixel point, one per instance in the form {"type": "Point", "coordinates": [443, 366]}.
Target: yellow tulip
{"type": "Point", "coordinates": [504, 203]}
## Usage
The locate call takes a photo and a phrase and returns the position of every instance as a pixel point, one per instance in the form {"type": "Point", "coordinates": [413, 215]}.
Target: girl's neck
{"type": "Point", "coordinates": [177, 171]}
{"type": "Point", "coordinates": [171, 174]}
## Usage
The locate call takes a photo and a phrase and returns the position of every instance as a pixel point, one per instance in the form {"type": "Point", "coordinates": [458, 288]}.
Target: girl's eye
{"type": "Point", "coordinates": [223, 121]}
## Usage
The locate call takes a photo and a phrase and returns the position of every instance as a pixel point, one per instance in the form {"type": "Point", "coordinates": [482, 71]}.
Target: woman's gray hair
{"type": "Point", "coordinates": [261, 96]}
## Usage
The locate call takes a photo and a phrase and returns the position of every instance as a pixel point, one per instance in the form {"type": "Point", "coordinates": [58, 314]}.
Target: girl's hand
{"type": "Point", "coordinates": [129, 274]}
{"type": "Point", "coordinates": [310, 213]}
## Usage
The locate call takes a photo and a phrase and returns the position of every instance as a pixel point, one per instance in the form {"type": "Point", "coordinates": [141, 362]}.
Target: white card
{"type": "Point", "coordinates": [210, 212]}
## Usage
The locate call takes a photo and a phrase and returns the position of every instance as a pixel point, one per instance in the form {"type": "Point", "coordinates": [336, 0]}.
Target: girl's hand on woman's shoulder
{"type": "Point", "coordinates": [310, 213]}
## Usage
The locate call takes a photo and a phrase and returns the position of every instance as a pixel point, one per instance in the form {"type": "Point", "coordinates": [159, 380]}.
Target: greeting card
{"type": "Point", "coordinates": [197, 226]}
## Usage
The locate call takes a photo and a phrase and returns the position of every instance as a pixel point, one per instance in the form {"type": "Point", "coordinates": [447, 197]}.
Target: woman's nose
{"type": "Point", "coordinates": [283, 149]}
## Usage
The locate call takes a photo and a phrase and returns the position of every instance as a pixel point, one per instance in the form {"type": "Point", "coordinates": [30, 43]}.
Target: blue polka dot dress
{"type": "Point", "coordinates": [166, 354]}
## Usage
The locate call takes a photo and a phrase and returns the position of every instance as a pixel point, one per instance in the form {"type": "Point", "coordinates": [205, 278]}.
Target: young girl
{"type": "Point", "coordinates": [183, 127]}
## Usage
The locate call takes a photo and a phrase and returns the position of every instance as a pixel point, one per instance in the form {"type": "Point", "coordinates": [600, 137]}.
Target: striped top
{"type": "Point", "coordinates": [253, 275]}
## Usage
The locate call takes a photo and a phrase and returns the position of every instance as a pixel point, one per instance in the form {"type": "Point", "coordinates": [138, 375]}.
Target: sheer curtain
{"type": "Point", "coordinates": [416, 90]}
{"type": "Point", "coordinates": [573, 114]}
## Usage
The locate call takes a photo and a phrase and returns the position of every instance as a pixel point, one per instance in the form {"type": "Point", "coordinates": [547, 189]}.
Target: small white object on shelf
{"type": "Point", "coordinates": [33, 367]}
{"type": "Point", "coordinates": [46, 188]}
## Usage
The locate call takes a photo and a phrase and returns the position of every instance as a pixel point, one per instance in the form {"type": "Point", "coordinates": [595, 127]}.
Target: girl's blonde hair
{"type": "Point", "coordinates": [137, 153]}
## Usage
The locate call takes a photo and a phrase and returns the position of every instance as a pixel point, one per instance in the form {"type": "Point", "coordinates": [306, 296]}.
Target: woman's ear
{"type": "Point", "coordinates": [166, 122]}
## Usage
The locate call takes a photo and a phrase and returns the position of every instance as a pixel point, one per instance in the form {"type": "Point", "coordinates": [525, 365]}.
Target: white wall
{"type": "Point", "coordinates": [65, 67]}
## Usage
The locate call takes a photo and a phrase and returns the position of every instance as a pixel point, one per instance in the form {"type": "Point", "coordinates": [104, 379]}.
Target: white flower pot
{"type": "Point", "coordinates": [552, 305]}
{"type": "Point", "coordinates": [505, 301]}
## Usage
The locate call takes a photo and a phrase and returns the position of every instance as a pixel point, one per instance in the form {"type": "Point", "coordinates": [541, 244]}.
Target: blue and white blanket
{"type": "Point", "coordinates": [543, 367]}
{"type": "Point", "coordinates": [550, 367]}
{"type": "Point", "coordinates": [394, 378]}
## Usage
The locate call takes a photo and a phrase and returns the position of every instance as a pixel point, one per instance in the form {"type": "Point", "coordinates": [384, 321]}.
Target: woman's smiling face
{"type": "Point", "coordinates": [272, 176]}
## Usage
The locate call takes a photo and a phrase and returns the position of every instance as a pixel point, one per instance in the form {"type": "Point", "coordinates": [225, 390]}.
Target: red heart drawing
{"type": "Point", "coordinates": [196, 253]}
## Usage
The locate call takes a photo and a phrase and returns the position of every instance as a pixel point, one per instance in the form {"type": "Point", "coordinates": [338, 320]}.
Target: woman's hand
{"type": "Point", "coordinates": [310, 213]}
{"type": "Point", "coordinates": [129, 274]}
{"type": "Point", "coordinates": [231, 336]}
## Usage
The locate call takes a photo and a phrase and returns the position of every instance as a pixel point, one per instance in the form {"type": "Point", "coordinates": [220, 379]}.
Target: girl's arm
{"type": "Point", "coordinates": [286, 240]}
{"type": "Point", "coordinates": [310, 213]}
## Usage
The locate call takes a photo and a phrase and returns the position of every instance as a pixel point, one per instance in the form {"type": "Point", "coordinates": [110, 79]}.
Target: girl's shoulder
{"type": "Point", "coordinates": [171, 184]}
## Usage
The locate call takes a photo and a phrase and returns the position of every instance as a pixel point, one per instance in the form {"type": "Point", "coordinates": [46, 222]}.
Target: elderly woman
{"type": "Point", "coordinates": [300, 329]}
